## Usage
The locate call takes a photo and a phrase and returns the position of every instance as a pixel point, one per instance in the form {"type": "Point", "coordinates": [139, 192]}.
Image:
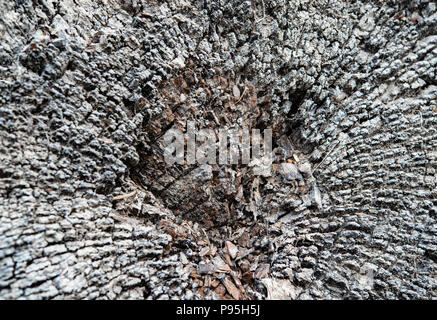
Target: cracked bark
{"type": "Point", "coordinates": [87, 90]}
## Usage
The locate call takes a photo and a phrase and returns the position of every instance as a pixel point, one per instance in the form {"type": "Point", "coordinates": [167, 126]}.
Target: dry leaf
{"type": "Point", "coordinates": [262, 271]}
{"type": "Point", "coordinates": [184, 259]}
{"type": "Point", "coordinates": [223, 269]}
{"type": "Point", "coordinates": [204, 252]}
{"type": "Point", "coordinates": [244, 253]}
{"type": "Point", "coordinates": [244, 240]}
{"type": "Point", "coordinates": [220, 265]}
{"type": "Point", "coordinates": [236, 91]}
{"type": "Point", "coordinates": [281, 289]}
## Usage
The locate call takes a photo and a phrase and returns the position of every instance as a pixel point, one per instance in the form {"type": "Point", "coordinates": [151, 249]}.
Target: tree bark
{"type": "Point", "coordinates": [90, 210]}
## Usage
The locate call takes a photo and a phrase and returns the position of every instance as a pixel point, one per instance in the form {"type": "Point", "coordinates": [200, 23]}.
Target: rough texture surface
{"type": "Point", "coordinates": [88, 87]}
